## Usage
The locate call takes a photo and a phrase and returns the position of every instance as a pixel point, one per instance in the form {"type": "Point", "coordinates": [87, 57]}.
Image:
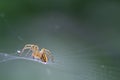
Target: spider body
{"type": "Point", "coordinates": [44, 55]}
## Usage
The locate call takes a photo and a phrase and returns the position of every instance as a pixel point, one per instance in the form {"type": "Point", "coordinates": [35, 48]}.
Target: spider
{"type": "Point", "coordinates": [44, 55]}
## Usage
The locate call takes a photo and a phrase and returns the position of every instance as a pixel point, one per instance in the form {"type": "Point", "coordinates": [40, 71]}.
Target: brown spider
{"type": "Point", "coordinates": [42, 54]}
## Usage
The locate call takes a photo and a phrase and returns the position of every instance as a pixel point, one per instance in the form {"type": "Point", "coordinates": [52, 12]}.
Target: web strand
{"type": "Point", "coordinates": [7, 57]}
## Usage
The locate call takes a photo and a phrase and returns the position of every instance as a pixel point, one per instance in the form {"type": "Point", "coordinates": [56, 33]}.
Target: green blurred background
{"type": "Point", "coordinates": [83, 35]}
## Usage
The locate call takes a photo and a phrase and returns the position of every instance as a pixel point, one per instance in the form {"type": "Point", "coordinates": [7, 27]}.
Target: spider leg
{"type": "Point", "coordinates": [49, 54]}
{"type": "Point", "coordinates": [27, 46]}
{"type": "Point", "coordinates": [33, 57]}
{"type": "Point", "coordinates": [28, 52]}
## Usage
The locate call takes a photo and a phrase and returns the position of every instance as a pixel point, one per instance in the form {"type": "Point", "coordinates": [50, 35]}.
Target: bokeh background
{"type": "Point", "coordinates": [83, 35]}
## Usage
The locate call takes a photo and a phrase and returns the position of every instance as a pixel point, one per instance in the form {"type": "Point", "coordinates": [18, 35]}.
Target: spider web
{"type": "Point", "coordinates": [7, 57]}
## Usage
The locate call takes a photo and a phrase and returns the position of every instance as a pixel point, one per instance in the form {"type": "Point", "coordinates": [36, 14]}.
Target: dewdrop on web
{"type": "Point", "coordinates": [18, 51]}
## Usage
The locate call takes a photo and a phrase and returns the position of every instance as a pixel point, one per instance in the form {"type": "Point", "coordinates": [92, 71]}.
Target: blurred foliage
{"type": "Point", "coordinates": [27, 7]}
